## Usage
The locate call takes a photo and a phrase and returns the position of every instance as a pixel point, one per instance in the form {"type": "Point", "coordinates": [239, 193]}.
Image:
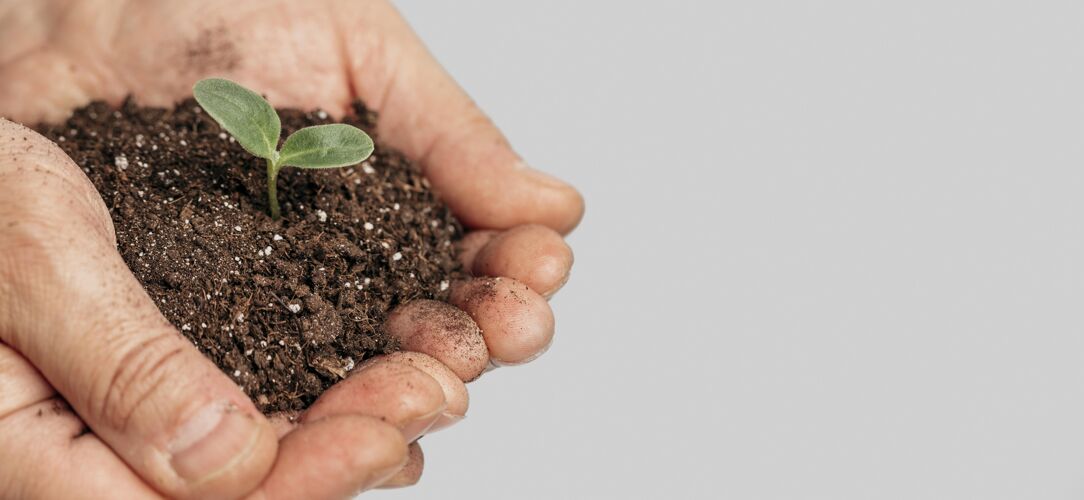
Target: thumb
{"type": "Point", "coordinates": [70, 305]}
{"type": "Point", "coordinates": [424, 113]}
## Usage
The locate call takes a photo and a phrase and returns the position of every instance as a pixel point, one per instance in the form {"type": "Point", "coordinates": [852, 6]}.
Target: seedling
{"type": "Point", "coordinates": [255, 125]}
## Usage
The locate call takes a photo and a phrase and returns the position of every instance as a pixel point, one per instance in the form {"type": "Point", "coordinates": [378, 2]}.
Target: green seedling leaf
{"type": "Point", "coordinates": [243, 113]}
{"type": "Point", "coordinates": [326, 146]}
{"type": "Point", "coordinates": [255, 124]}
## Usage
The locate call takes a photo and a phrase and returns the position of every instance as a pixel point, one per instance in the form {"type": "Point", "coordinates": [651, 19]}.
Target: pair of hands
{"type": "Point", "coordinates": [148, 414]}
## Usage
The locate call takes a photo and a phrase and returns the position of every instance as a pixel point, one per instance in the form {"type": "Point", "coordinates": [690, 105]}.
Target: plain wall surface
{"type": "Point", "coordinates": [833, 250]}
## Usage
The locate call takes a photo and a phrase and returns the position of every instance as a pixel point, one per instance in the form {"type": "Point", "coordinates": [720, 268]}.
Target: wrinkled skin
{"type": "Point", "coordinates": [99, 395]}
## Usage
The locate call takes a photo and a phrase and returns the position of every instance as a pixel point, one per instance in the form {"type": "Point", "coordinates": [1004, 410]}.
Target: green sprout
{"type": "Point", "coordinates": [255, 125]}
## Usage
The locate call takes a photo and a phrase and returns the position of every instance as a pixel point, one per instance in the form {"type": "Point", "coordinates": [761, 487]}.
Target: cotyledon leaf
{"type": "Point", "coordinates": [326, 146]}
{"type": "Point", "coordinates": [243, 113]}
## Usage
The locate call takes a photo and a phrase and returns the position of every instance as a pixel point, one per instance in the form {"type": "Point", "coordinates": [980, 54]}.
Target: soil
{"type": "Point", "coordinates": [286, 308]}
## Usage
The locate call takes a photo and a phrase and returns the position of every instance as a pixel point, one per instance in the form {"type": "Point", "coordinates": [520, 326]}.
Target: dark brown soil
{"type": "Point", "coordinates": [286, 308]}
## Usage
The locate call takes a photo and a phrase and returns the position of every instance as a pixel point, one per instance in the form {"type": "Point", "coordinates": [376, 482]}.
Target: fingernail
{"type": "Point", "coordinates": [446, 420]}
{"type": "Point", "coordinates": [212, 441]}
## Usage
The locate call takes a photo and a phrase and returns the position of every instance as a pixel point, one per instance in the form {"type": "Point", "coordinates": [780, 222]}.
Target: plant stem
{"type": "Point", "coordinates": [272, 196]}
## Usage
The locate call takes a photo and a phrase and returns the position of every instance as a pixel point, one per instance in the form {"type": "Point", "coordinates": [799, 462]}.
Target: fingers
{"type": "Point", "coordinates": [44, 446]}
{"type": "Point", "coordinates": [428, 116]}
{"type": "Point", "coordinates": [397, 393]}
{"type": "Point", "coordinates": [516, 322]}
{"type": "Point", "coordinates": [335, 456]}
{"type": "Point", "coordinates": [410, 473]}
{"type": "Point", "coordinates": [535, 255]}
{"type": "Point", "coordinates": [409, 391]}
{"type": "Point", "coordinates": [443, 332]}
{"type": "Point", "coordinates": [20, 384]}
{"type": "Point", "coordinates": [471, 244]}
{"type": "Point", "coordinates": [47, 454]}
{"type": "Point", "coordinates": [456, 397]}
{"type": "Point", "coordinates": [72, 307]}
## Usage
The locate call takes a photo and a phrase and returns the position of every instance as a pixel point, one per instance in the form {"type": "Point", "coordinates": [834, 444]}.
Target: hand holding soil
{"type": "Point", "coordinates": [149, 413]}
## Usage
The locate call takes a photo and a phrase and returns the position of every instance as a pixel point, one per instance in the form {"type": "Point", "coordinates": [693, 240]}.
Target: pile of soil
{"type": "Point", "coordinates": [284, 307]}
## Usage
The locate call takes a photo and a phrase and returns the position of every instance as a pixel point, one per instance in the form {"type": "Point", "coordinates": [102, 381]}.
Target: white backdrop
{"type": "Point", "coordinates": [833, 249]}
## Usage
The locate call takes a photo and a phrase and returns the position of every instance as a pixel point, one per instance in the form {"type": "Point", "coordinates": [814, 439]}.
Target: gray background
{"type": "Point", "coordinates": [832, 249]}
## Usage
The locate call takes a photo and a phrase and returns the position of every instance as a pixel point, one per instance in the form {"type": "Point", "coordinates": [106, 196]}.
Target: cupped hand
{"type": "Point", "coordinates": [77, 329]}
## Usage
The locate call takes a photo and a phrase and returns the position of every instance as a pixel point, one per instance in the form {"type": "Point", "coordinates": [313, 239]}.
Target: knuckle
{"type": "Point", "coordinates": [133, 384]}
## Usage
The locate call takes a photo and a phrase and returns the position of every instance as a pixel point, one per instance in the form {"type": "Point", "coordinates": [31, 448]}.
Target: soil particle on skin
{"type": "Point", "coordinates": [444, 317]}
{"type": "Point", "coordinates": [433, 319]}
{"type": "Point", "coordinates": [483, 290]}
{"type": "Point", "coordinates": [286, 308]}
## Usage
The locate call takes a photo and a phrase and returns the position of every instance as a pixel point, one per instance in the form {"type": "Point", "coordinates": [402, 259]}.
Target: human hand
{"type": "Point", "coordinates": [72, 315]}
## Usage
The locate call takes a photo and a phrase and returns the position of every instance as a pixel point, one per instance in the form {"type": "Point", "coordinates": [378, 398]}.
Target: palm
{"type": "Point", "coordinates": [296, 54]}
